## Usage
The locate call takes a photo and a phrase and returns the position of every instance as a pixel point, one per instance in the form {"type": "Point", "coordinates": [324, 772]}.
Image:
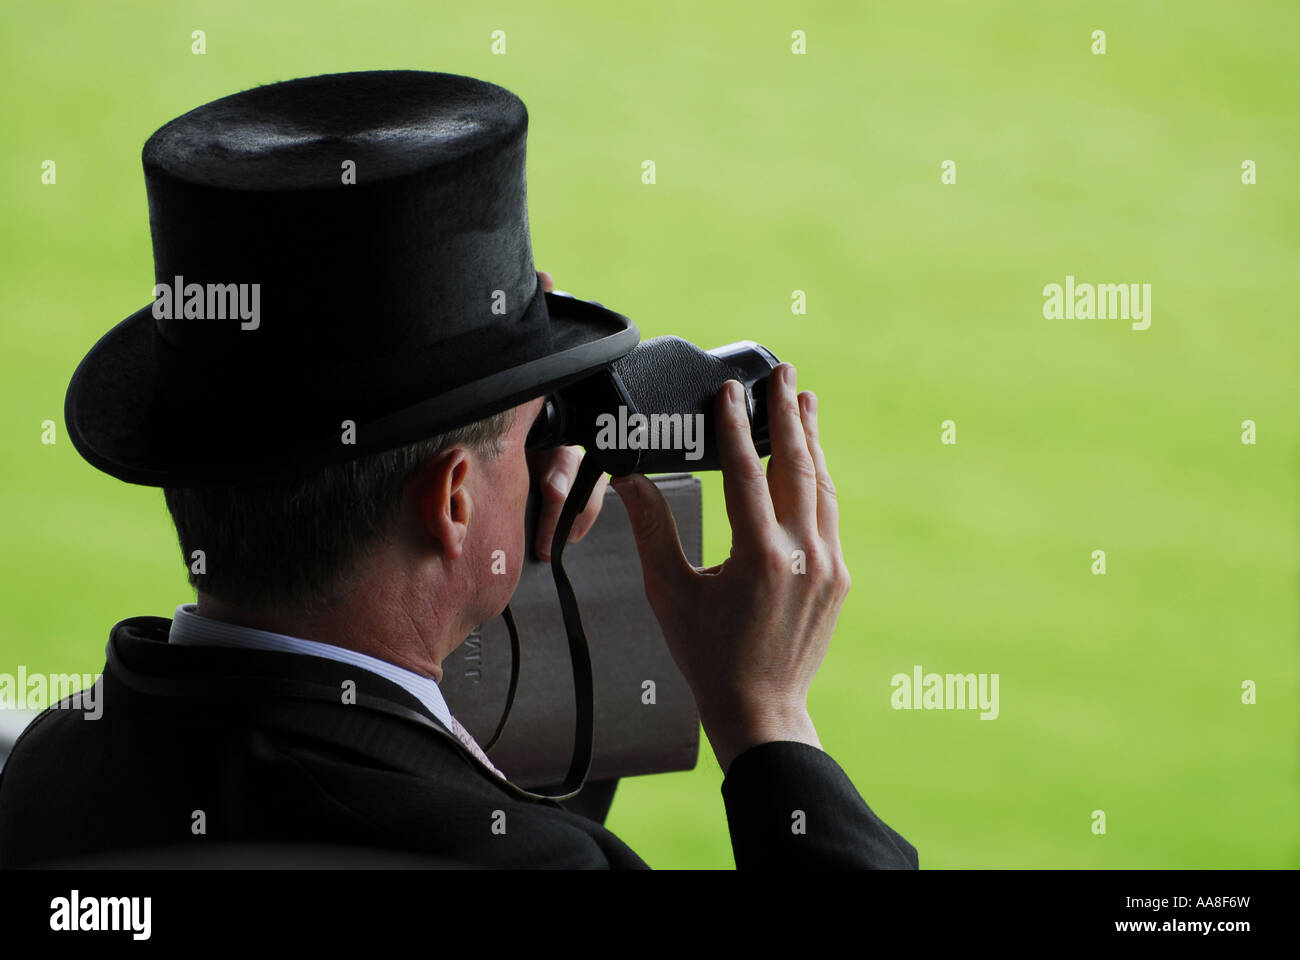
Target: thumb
{"type": "Point", "coordinates": [654, 528]}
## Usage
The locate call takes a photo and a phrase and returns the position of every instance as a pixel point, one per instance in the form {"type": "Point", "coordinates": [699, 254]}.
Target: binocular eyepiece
{"type": "Point", "coordinates": [651, 411]}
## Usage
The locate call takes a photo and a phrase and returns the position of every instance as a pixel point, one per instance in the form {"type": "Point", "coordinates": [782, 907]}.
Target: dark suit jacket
{"type": "Point", "coordinates": [259, 747]}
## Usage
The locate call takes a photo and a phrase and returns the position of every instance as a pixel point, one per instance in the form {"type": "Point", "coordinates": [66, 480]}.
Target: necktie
{"type": "Point", "coordinates": [463, 736]}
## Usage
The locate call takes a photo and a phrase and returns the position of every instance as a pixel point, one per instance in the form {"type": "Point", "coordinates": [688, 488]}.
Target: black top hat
{"type": "Point", "coordinates": [350, 248]}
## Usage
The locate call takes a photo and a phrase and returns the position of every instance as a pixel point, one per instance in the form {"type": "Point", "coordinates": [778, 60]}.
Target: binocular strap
{"type": "Point", "coordinates": [579, 653]}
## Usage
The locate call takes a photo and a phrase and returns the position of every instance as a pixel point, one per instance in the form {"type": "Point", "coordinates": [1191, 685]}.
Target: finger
{"type": "Point", "coordinates": [558, 469]}
{"type": "Point", "coordinates": [583, 521]}
{"type": "Point", "coordinates": [663, 562]}
{"type": "Point", "coordinates": [548, 283]}
{"type": "Point", "coordinates": [749, 504]}
{"type": "Point", "coordinates": [828, 513]}
{"type": "Point", "coordinates": [791, 476]}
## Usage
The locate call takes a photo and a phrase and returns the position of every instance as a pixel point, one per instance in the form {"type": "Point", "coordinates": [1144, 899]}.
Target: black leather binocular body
{"type": "Point", "coordinates": [651, 411]}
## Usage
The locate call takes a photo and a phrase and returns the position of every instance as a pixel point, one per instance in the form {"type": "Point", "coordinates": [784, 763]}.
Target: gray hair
{"type": "Point", "coordinates": [290, 540]}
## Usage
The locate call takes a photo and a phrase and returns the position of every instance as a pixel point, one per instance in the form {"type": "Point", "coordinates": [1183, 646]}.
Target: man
{"type": "Point", "coordinates": [342, 450]}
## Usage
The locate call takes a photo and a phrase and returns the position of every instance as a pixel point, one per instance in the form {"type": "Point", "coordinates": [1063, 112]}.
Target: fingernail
{"type": "Point", "coordinates": [558, 481]}
{"type": "Point", "coordinates": [735, 392]}
{"type": "Point", "coordinates": [788, 373]}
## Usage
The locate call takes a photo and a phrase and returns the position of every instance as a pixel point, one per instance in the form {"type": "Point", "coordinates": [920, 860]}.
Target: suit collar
{"type": "Point", "coordinates": [142, 651]}
{"type": "Point", "coordinates": [189, 628]}
{"type": "Point", "coordinates": [309, 696]}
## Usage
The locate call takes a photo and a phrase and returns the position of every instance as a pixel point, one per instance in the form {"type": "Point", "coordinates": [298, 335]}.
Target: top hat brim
{"type": "Point", "coordinates": [122, 420]}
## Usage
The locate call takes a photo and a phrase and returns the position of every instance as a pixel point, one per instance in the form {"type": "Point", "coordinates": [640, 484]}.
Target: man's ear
{"type": "Point", "coordinates": [442, 500]}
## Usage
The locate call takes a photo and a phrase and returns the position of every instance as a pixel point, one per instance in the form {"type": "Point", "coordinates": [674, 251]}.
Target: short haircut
{"type": "Point", "coordinates": [293, 539]}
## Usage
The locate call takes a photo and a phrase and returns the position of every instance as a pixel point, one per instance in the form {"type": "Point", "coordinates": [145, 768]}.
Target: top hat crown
{"type": "Point", "coordinates": [342, 249]}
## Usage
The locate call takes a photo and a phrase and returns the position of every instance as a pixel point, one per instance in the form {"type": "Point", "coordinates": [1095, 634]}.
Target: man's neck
{"type": "Point", "coordinates": [383, 624]}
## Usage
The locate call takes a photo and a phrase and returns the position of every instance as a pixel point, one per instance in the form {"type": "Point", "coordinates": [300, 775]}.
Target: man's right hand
{"type": "Point", "coordinates": [750, 633]}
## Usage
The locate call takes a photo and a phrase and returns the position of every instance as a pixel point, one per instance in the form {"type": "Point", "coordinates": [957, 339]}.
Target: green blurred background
{"type": "Point", "coordinates": [821, 173]}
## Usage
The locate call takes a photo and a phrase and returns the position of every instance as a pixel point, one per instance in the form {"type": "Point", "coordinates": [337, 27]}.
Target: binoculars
{"type": "Point", "coordinates": [651, 411]}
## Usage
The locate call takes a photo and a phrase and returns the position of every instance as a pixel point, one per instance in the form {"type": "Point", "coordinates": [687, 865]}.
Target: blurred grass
{"type": "Point", "coordinates": [821, 173]}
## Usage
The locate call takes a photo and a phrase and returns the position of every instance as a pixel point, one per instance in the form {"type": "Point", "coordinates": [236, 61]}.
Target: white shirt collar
{"type": "Point", "coordinates": [189, 627]}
